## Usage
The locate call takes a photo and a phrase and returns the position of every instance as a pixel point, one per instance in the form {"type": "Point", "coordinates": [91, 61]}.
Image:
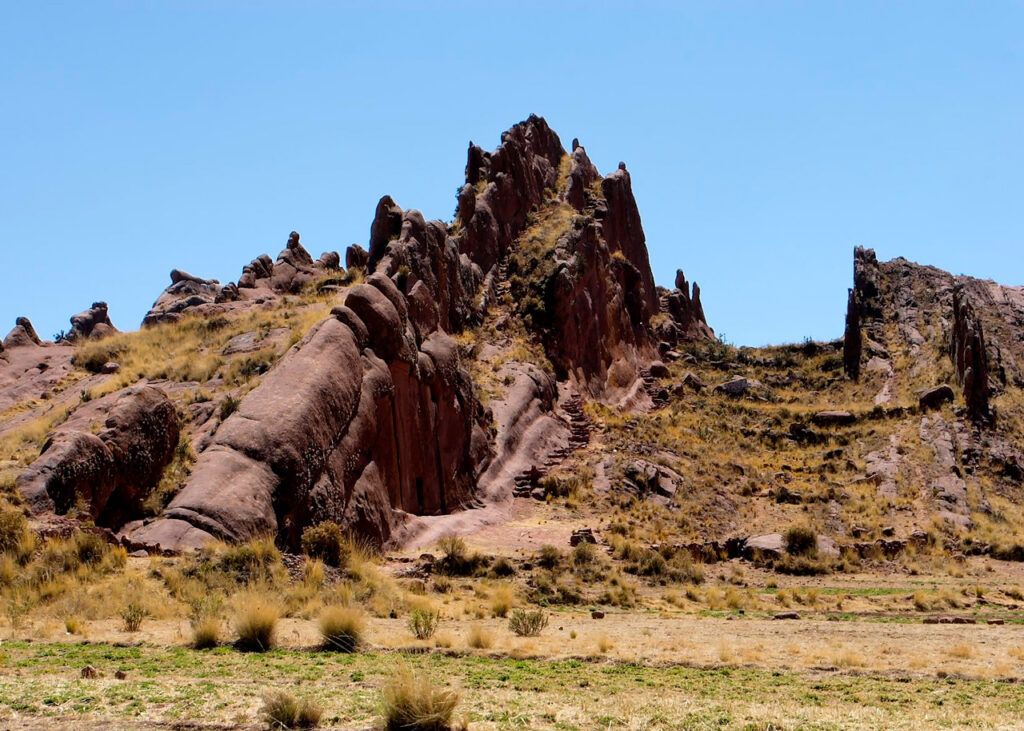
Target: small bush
{"type": "Point", "coordinates": [423, 623]}
{"type": "Point", "coordinates": [502, 600]}
{"type": "Point", "coordinates": [132, 615]}
{"type": "Point", "coordinates": [256, 624]}
{"type": "Point", "coordinates": [549, 557]}
{"type": "Point", "coordinates": [502, 568]}
{"type": "Point", "coordinates": [456, 559]}
{"type": "Point", "coordinates": [206, 632]}
{"type": "Point", "coordinates": [74, 625]}
{"type": "Point", "coordinates": [479, 637]}
{"type": "Point", "coordinates": [800, 540]}
{"type": "Point", "coordinates": [326, 542]}
{"type": "Point", "coordinates": [228, 406]}
{"type": "Point", "coordinates": [254, 560]}
{"type": "Point", "coordinates": [413, 703]}
{"type": "Point", "coordinates": [528, 623]}
{"type": "Point", "coordinates": [14, 531]}
{"type": "Point", "coordinates": [342, 628]}
{"type": "Point", "coordinates": [284, 711]}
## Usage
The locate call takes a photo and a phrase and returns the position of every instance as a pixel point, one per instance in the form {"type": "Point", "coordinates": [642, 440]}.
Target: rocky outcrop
{"type": "Point", "coordinates": [362, 421]}
{"type": "Point", "coordinates": [187, 292]}
{"type": "Point", "coordinates": [967, 349]}
{"type": "Point", "coordinates": [356, 256]}
{"type": "Point", "coordinates": [108, 474]}
{"type": "Point", "coordinates": [293, 270]}
{"type": "Point", "coordinates": [21, 335]}
{"type": "Point", "coordinates": [853, 342]}
{"type": "Point", "coordinates": [622, 229]}
{"type": "Point", "coordinates": [686, 321]}
{"type": "Point", "coordinates": [902, 307]}
{"type": "Point", "coordinates": [598, 327]}
{"type": "Point", "coordinates": [582, 175]}
{"type": "Point", "coordinates": [93, 323]}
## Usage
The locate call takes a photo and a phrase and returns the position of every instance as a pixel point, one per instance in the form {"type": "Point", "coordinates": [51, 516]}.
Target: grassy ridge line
{"type": "Point", "coordinates": [41, 681]}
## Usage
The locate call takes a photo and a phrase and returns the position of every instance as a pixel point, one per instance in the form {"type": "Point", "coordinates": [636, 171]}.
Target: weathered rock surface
{"type": "Point", "coordinates": [107, 474]}
{"type": "Point", "coordinates": [21, 335]}
{"type": "Point", "coordinates": [360, 422]}
{"type": "Point", "coordinates": [686, 321]}
{"type": "Point", "coordinates": [261, 278]}
{"type": "Point", "coordinates": [967, 349]}
{"type": "Point", "coordinates": [92, 323]}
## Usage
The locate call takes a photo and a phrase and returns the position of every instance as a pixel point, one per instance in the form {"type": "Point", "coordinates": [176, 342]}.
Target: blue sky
{"type": "Point", "coordinates": [765, 140]}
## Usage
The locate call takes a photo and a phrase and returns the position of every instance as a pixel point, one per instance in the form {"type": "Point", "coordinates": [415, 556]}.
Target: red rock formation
{"type": "Point", "coordinates": [111, 472]}
{"type": "Point", "coordinates": [360, 420]}
{"type": "Point", "coordinates": [23, 334]}
{"type": "Point", "coordinates": [967, 349]}
{"type": "Point", "coordinates": [293, 270]}
{"type": "Point", "coordinates": [93, 323]}
{"type": "Point", "coordinates": [686, 322]}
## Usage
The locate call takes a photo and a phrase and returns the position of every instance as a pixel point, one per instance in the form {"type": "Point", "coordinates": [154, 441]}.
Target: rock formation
{"type": "Point", "coordinates": [23, 334]}
{"type": "Point", "coordinates": [686, 321]}
{"type": "Point", "coordinates": [105, 475]}
{"type": "Point", "coordinates": [93, 323]}
{"type": "Point", "coordinates": [362, 420]}
{"type": "Point", "coordinates": [293, 270]}
{"type": "Point", "coordinates": [967, 349]}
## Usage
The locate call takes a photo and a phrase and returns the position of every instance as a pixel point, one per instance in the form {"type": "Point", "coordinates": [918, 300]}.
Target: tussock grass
{"type": "Point", "coordinates": [342, 628]}
{"type": "Point", "coordinates": [256, 618]}
{"type": "Point", "coordinates": [282, 710]}
{"type": "Point", "coordinates": [413, 703]}
{"type": "Point", "coordinates": [479, 638]}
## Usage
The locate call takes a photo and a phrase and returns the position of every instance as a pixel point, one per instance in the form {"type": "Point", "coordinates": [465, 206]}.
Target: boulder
{"type": "Point", "coordinates": [933, 398]}
{"type": "Point", "coordinates": [693, 382]}
{"type": "Point", "coordinates": [356, 257]}
{"type": "Point", "coordinates": [833, 418]}
{"type": "Point", "coordinates": [737, 386]}
{"type": "Point", "coordinates": [109, 473]}
{"type": "Point", "coordinates": [92, 323]}
{"type": "Point", "coordinates": [22, 335]}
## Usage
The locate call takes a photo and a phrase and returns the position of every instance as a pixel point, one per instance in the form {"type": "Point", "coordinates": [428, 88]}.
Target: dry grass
{"type": "Point", "coordinates": [413, 703]}
{"type": "Point", "coordinates": [479, 638]}
{"type": "Point", "coordinates": [342, 628]}
{"type": "Point", "coordinates": [256, 618]}
{"type": "Point", "coordinates": [282, 710]}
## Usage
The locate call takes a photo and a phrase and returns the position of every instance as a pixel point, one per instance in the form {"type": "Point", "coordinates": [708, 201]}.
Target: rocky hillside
{"type": "Point", "coordinates": [449, 371]}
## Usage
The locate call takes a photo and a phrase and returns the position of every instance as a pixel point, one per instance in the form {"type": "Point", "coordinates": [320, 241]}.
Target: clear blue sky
{"type": "Point", "coordinates": [765, 140]}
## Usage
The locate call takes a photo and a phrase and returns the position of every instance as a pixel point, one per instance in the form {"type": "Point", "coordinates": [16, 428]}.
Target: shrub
{"type": "Point", "coordinates": [74, 625]}
{"type": "Point", "coordinates": [423, 623]}
{"type": "Point", "coordinates": [326, 542]}
{"type": "Point", "coordinates": [457, 559]}
{"type": "Point", "coordinates": [90, 548]}
{"type": "Point", "coordinates": [799, 540]}
{"type": "Point", "coordinates": [228, 406]}
{"type": "Point", "coordinates": [256, 624]}
{"type": "Point", "coordinates": [206, 632]}
{"type": "Point", "coordinates": [528, 623]}
{"type": "Point", "coordinates": [479, 637]}
{"type": "Point", "coordinates": [649, 563]}
{"type": "Point", "coordinates": [282, 710]}
{"type": "Point", "coordinates": [413, 703]}
{"type": "Point", "coordinates": [502, 568]}
{"type": "Point", "coordinates": [341, 628]}
{"type": "Point", "coordinates": [549, 557]}
{"type": "Point", "coordinates": [14, 531]}
{"type": "Point", "coordinates": [502, 600]}
{"type": "Point", "coordinates": [253, 560]}
{"type": "Point", "coordinates": [132, 614]}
